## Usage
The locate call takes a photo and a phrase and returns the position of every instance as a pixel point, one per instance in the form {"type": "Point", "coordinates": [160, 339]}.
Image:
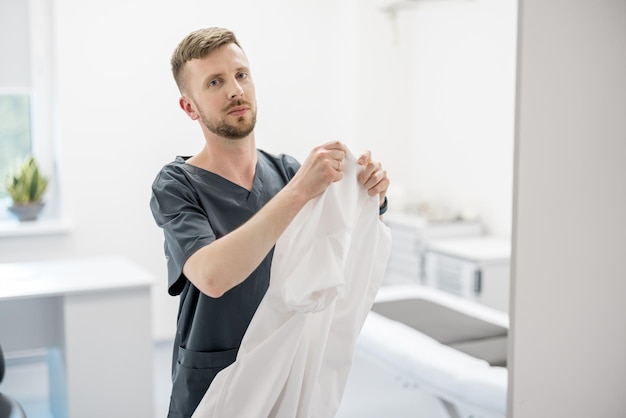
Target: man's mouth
{"type": "Point", "coordinates": [238, 110]}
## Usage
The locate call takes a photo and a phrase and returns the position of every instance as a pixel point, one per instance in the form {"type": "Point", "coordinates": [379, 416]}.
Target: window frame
{"type": "Point", "coordinates": [44, 134]}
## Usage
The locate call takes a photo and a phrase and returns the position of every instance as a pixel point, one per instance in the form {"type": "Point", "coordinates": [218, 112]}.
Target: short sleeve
{"type": "Point", "coordinates": [194, 207]}
{"type": "Point", "coordinates": [177, 210]}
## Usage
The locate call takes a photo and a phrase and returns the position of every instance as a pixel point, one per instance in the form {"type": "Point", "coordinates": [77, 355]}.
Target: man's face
{"type": "Point", "coordinates": [220, 92]}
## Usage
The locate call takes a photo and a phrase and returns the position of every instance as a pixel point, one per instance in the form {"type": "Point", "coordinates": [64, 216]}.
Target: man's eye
{"type": "Point", "coordinates": [242, 75]}
{"type": "Point", "coordinates": [214, 83]}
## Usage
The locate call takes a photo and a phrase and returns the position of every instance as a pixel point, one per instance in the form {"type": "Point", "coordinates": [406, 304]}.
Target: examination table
{"type": "Point", "coordinates": [449, 347]}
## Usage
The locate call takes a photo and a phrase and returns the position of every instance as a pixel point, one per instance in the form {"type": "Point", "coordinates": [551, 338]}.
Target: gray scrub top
{"type": "Point", "coordinates": [194, 207]}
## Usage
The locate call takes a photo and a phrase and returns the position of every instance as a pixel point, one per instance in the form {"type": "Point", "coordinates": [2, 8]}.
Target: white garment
{"type": "Point", "coordinates": [297, 352]}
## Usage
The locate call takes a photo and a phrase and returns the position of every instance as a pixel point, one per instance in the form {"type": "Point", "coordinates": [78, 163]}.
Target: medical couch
{"type": "Point", "coordinates": [449, 347]}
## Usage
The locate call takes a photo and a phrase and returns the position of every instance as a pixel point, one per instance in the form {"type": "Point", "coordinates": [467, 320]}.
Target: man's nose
{"type": "Point", "coordinates": [235, 91]}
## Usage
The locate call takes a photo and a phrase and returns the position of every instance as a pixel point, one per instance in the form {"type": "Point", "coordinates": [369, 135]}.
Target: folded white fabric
{"type": "Point", "coordinates": [295, 357]}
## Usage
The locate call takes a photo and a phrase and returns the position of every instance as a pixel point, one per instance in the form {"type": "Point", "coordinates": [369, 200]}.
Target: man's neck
{"type": "Point", "coordinates": [233, 159]}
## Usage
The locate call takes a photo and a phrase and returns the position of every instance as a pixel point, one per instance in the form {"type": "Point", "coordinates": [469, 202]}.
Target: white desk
{"type": "Point", "coordinates": [97, 312]}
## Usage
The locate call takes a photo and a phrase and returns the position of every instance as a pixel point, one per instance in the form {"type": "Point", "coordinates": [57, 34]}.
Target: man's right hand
{"type": "Point", "coordinates": [322, 167]}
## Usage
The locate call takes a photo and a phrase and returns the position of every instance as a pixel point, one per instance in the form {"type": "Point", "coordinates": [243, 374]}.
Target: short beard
{"type": "Point", "coordinates": [228, 131]}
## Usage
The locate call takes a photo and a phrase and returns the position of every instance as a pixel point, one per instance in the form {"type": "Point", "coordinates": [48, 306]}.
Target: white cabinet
{"type": "Point", "coordinates": [97, 313]}
{"type": "Point", "coordinates": [476, 268]}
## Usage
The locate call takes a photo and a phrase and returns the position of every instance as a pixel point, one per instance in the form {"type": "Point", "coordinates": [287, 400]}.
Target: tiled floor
{"type": "Point", "coordinates": [370, 391]}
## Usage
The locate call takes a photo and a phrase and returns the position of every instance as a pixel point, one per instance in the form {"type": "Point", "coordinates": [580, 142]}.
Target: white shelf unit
{"type": "Point", "coordinates": [410, 235]}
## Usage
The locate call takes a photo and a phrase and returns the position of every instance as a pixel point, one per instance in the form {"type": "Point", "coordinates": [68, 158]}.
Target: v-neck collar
{"type": "Point", "coordinates": [251, 196]}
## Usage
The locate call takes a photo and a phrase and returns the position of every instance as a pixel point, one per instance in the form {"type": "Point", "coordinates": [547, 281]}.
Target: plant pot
{"type": "Point", "coordinates": [27, 212]}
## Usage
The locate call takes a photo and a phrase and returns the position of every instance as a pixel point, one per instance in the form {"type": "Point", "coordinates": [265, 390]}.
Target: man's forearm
{"type": "Point", "coordinates": [228, 261]}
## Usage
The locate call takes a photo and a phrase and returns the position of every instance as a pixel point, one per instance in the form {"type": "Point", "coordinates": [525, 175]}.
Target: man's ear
{"type": "Point", "coordinates": [188, 108]}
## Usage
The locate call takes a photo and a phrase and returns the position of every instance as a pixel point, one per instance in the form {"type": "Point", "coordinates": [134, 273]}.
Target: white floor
{"type": "Point", "coordinates": [374, 392]}
{"type": "Point", "coordinates": [370, 392]}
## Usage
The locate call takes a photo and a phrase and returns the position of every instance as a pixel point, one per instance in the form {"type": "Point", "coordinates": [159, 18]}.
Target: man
{"type": "Point", "coordinates": [223, 209]}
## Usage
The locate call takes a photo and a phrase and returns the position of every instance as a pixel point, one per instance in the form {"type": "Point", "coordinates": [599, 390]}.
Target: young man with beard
{"type": "Point", "coordinates": [223, 209]}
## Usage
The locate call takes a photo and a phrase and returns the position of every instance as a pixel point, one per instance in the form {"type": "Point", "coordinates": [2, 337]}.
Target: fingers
{"type": "Point", "coordinates": [336, 145]}
{"type": "Point", "coordinates": [331, 155]}
{"type": "Point", "coordinates": [324, 166]}
{"type": "Point", "coordinates": [380, 188]}
{"type": "Point", "coordinates": [372, 176]}
{"type": "Point", "coordinates": [376, 182]}
{"type": "Point", "coordinates": [334, 148]}
{"type": "Point", "coordinates": [365, 158]}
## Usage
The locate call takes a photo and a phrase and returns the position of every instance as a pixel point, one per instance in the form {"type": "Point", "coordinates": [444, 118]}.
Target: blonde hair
{"type": "Point", "coordinates": [199, 44]}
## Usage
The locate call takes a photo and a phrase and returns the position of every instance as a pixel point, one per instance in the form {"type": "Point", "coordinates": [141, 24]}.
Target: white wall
{"type": "Point", "coordinates": [437, 97]}
{"type": "Point", "coordinates": [119, 121]}
{"type": "Point", "coordinates": [323, 70]}
{"type": "Point", "coordinates": [568, 340]}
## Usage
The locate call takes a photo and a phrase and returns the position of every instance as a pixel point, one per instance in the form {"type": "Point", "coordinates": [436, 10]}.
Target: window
{"type": "Point", "coordinates": [26, 124]}
{"type": "Point", "coordinates": [15, 83]}
{"type": "Point", "coordinates": [15, 138]}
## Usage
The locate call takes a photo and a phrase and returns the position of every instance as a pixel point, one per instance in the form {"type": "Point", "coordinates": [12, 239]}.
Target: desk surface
{"type": "Point", "coordinates": [62, 277]}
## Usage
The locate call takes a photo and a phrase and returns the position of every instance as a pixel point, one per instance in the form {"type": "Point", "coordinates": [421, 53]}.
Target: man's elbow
{"type": "Point", "coordinates": [213, 291]}
{"type": "Point", "coordinates": [207, 284]}
{"type": "Point", "coordinates": [204, 279]}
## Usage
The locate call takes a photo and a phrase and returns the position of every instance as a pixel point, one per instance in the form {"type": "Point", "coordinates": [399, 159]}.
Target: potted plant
{"type": "Point", "coordinates": [26, 185]}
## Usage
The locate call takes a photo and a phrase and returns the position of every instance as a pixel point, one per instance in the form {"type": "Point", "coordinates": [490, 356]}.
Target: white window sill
{"type": "Point", "coordinates": [34, 228]}
{"type": "Point", "coordinates": [50, 222]}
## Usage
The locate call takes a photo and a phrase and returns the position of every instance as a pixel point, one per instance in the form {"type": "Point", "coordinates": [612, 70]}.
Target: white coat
{"type": "Point", "coordinates": [297, 352]}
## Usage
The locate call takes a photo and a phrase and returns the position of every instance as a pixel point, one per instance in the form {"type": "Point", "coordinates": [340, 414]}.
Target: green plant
{"type": "Point", "coordinates": [26, 184]}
